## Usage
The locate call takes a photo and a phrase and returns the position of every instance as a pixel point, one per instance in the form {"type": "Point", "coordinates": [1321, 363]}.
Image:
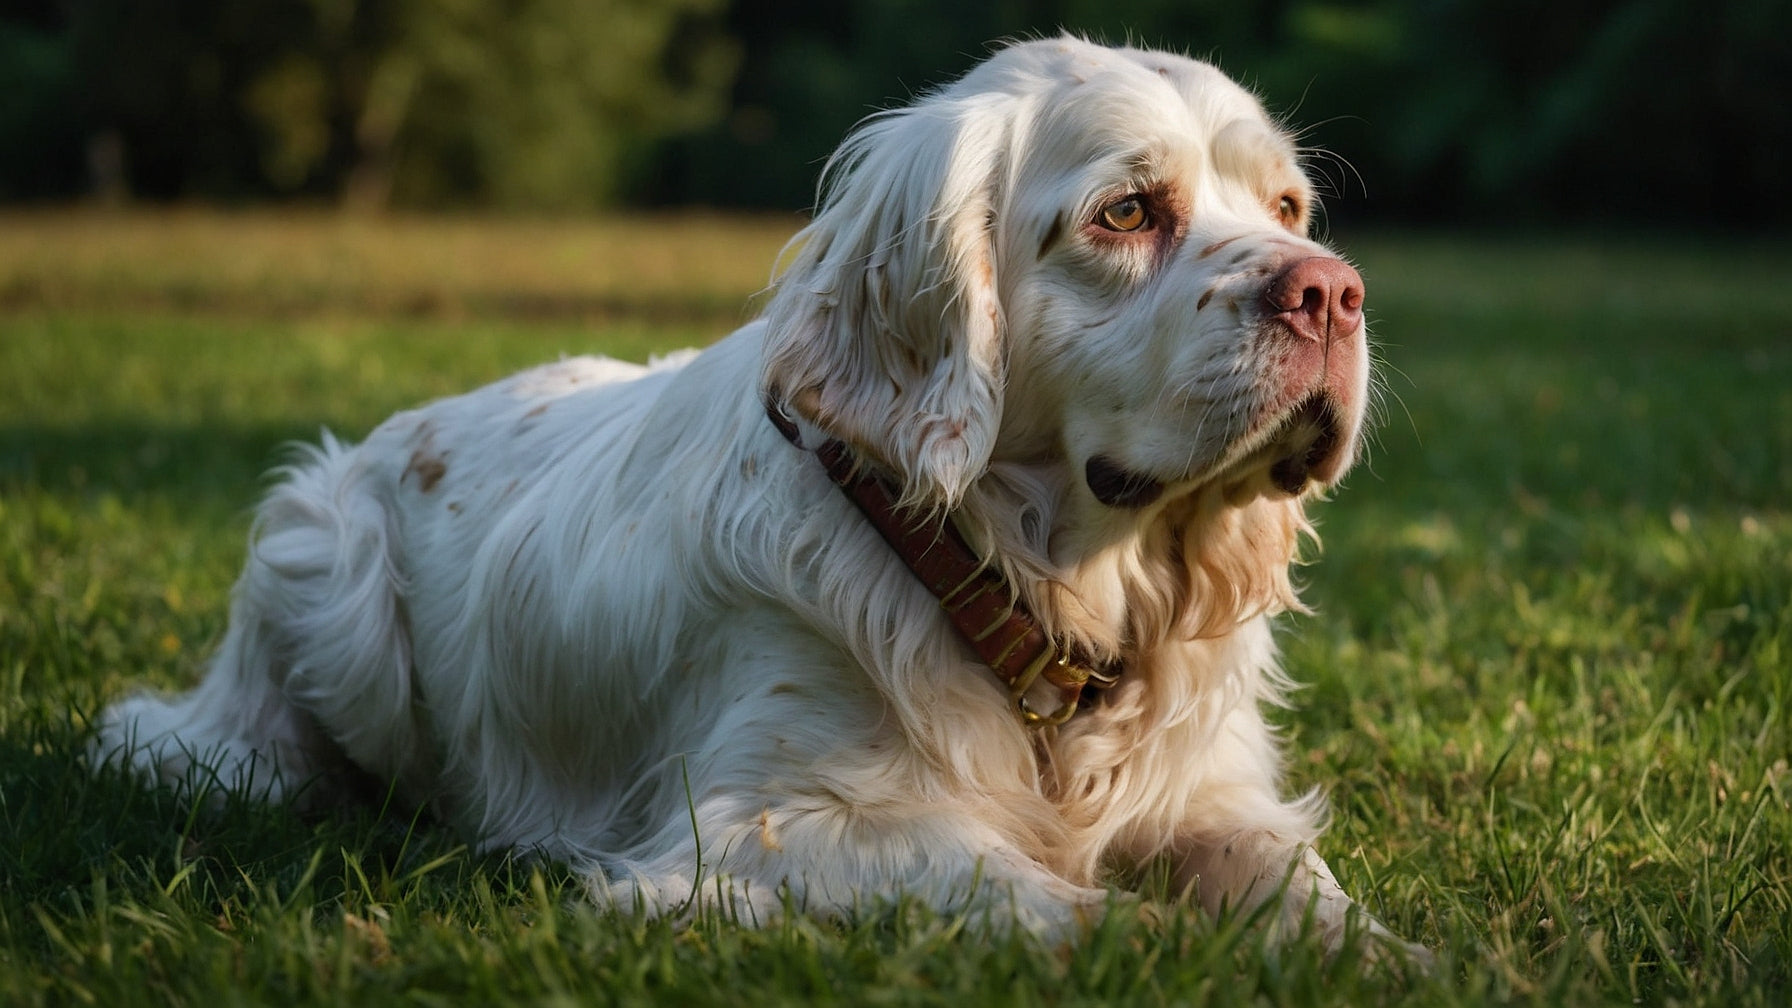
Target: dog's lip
{"type": "Point", "coordinates": [1306, 441]}
{"type": "Point", "coordinates": [1303, 443]}
{"type": "Point", "coordinates": [1117, 486]}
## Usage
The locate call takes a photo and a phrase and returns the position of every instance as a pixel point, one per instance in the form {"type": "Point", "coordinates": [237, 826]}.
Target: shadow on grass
{"type": "Point", "coordinates": [70, 827]}
{"type": "Point", "coordinates": [202, 465]}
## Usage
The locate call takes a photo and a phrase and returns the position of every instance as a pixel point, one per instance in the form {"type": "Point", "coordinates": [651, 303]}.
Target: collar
{"type": "Point", "coordinates": [981, 604]}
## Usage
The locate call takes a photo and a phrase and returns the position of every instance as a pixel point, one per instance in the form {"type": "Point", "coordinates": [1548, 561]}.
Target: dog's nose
{"type": "Point", "coordinates": [1321, 298]}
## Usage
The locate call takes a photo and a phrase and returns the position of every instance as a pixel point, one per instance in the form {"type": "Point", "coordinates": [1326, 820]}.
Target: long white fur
{"type": "Point", "coordinates": [608, 612]}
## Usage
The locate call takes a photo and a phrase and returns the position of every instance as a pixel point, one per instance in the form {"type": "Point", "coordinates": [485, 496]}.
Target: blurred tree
{"type": "Point", "coordinates": [157, 84]}
{"type": "Point", "coordinates": [1614, 111]}
{"type": "Point", "coordinates": [37, 99]}
{"type": "Point", "coordinates": [1447, 110]}
{"type": "Point", "coordinates": [516, 103]}
{"type": "Point", "coordinates": [531, 103]}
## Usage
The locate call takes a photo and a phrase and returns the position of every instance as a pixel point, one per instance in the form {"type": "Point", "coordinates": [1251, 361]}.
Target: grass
{"type": "Point", "coordinates": [1548, 682]}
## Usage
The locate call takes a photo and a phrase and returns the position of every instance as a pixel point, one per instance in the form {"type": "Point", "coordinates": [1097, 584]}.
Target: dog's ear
{"type": "Point", "coordinates": [885, 330]}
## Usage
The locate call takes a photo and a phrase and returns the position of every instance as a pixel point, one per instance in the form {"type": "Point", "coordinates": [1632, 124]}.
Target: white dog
{"type": "Point", "coordinates": [1060, 334]}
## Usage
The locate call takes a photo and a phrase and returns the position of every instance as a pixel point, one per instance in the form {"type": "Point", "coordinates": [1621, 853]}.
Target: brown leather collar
{"type": "Point", "coordinates": [978, 600]}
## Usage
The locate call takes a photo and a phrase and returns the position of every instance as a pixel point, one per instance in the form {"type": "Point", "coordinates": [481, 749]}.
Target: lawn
{"type": "Point", "coordinates": [1548, 682]}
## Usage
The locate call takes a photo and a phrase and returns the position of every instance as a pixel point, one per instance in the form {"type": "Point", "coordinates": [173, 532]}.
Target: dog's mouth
{"type": "Point", "coordinates": [1116, 486]}
{"type": "Point", "coordinates": [1306, 444]}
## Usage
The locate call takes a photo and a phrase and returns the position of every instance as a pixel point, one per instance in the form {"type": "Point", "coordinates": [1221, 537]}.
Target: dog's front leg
{"type": "Point", "coordinates": [1239, 845]}
{"type": "Point", "coordinates": [1247, 869]}
{"type": "Point", "coordinates": [752, 859]}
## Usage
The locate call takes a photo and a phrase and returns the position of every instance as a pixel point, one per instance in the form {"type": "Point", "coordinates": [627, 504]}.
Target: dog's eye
{"type": "Point", "coordinates": [1124, 215]}
{"type": "Point", "coordinates": [1288, 208]}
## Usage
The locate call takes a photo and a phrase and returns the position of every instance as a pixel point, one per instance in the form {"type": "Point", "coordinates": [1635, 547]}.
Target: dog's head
{"type": "Point", "coordinates": [1078, 256]}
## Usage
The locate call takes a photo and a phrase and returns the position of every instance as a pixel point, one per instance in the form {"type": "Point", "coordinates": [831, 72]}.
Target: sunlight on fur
{"type": "Point", "coordinates": [607, 612]}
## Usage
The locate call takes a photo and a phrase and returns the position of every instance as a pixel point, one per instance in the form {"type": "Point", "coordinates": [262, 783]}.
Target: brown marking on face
{"type": "Point", "coordinates": [1216, 246]}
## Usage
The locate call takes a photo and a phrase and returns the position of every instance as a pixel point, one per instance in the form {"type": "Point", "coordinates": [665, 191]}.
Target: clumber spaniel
{"type": "Point", "coordinates": [1059, 332]}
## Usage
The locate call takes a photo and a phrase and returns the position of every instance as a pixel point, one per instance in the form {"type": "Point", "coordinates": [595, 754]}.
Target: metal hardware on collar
{"type": "Point", "coordinates": [1068, 698]}
{"type": "Point", "coordinates": [979, 602]}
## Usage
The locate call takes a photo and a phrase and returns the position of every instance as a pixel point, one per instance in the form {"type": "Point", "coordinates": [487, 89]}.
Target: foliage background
{"type": "Point", "coordinates": [1605, 111]}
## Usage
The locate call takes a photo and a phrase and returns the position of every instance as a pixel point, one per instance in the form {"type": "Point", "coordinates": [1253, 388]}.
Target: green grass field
{"type": "Point", "coordinates": [1549, 682]}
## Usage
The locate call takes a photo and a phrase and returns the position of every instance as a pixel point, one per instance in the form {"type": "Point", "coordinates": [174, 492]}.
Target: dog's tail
{"type": "Point", "coordinates": [316, 664]}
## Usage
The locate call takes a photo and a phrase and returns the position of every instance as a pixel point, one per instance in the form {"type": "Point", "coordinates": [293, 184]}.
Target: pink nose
{"type": "Point", "coordinates": [1320, 298]}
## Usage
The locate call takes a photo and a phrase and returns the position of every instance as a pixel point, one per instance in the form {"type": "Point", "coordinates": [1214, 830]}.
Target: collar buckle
{"type": "Point", "coordinates": [1068, 677]}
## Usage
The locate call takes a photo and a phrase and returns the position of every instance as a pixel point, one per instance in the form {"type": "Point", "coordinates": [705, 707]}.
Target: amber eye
{"type": "Point", "coordinates": [1289, 209]}
{"type": "Point", "coordinates": [1124, 215]}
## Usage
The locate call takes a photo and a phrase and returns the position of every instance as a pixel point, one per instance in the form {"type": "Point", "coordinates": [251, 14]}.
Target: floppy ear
{"type": "Point", "coordinates": [885, 330]}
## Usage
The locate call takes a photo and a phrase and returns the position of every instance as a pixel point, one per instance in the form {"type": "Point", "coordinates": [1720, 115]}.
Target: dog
{"type": "Point", "coordinates": [949, 578]}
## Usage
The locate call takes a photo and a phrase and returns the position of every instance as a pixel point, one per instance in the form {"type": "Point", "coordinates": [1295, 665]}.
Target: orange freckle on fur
{"type": "Point", "coordinates": [1204, 299]}
{"type": "Point", "coordinates": [1216, 246]}
{"type": "Point", "coordinates": [429, 469]}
